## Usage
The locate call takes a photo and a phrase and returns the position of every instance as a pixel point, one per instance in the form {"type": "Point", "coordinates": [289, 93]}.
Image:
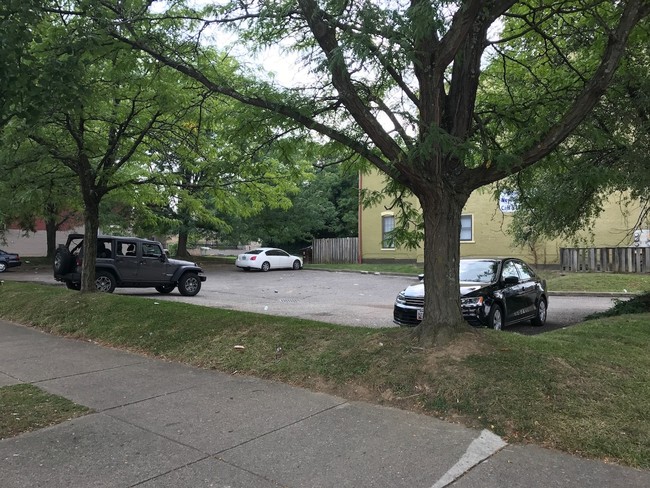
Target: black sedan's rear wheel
{"type": "Point", "coordinates": [3, 266]}
{"type": "Point", "coordinates": [540, 317]}
{"type": "Point", "coordinates": [189, 284]}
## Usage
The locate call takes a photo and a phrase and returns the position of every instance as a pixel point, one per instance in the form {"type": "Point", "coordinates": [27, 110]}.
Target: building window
{"type": "Point", "coordinates": [466, 228]}
{"type": "Point", "coordinates": [387, 226]}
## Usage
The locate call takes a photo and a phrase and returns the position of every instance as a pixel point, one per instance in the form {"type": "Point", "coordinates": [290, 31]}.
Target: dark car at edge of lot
{"type": "Point", "coordinates": [127, 262]}
{"type": "Point", "coordinates": [494, 292]}
{"type": "Point", "coordinates": [8, 260]}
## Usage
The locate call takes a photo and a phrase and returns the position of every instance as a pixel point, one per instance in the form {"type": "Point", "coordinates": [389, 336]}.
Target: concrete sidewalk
{"type": "Point", "coordinates": [160, 424]}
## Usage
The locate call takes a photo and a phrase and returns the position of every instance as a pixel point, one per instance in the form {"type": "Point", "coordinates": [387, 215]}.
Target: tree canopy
{"type": "Point", "coordinates": [170, 154]}
{"type": "Point", "coordinates": [326, 204]}
{"type": "Point", "coordinates": [607, 154]}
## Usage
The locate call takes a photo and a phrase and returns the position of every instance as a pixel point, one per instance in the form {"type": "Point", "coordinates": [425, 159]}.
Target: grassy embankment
{"type": "Point", "coordinates": [582, 390]}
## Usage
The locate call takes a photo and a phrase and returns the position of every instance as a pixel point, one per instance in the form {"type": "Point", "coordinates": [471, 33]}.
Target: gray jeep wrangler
{"type": "Point", "coordinates": [127, 262]}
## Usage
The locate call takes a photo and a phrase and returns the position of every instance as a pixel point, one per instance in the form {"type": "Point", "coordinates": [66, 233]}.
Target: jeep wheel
{"type": "Point", "coordinates": [105, 281]}
{"type": "Point", "coordinates": [63, 260]}
{"type": "Point", "coordinates": [71, 285]}
{"type": "Point", "coordinates": [164, 289]}
{"type": "Point", "coordinates": [189, 284]}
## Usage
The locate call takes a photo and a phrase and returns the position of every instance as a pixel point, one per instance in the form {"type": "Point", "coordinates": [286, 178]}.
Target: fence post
{"type": "Point", "coordinates": [604, 259]}
{"type": "Point", "coordinates": [629, 260]}
{"type": "Point", "coordinates": [574, 260]}
{"type": "Point", "coordinates": [592, 259]}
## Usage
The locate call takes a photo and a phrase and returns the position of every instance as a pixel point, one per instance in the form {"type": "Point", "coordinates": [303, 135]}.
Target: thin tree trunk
{"type": "Point", "coordinates": [50, 236]}
{"type": "Point", "coordinates": [443, 319]}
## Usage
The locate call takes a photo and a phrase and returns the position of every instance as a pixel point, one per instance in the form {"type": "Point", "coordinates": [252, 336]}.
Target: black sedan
{"type": "Point", "coordinates": [8, 260]}
{"type": "Point", "coordinates": [493, 293]}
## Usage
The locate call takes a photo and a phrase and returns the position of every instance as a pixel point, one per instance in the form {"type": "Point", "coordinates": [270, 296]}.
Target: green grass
{"type": "Point", "coordinates": [597, 282]}
{"type": "Point", "coordinates": [582, 390]}
{"type": "Point", "coordinates": [25, 408]}
{"type": "Point", "coordinates": [212, 260]}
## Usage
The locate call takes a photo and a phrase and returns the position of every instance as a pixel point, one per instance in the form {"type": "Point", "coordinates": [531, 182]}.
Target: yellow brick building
{"type": "Point", "coordinates": [484, 230]}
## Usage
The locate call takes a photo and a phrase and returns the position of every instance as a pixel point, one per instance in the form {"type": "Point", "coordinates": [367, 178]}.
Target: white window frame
{"type": "Point", "coordinates": [384, 240]}
{"type": "Point", "coordinates": [471, 227]}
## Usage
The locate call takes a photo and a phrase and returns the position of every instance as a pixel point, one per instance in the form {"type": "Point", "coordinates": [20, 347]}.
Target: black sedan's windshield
{"type": "Point", "coordinates": [478, 271]}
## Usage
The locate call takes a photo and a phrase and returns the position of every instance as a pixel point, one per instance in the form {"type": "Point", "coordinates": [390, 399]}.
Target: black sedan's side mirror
{"type": "Point", "coordinates": [511, 280]}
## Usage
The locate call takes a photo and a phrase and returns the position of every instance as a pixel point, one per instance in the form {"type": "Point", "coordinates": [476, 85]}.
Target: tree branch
{"type": "Point", "coordinates": [634, 10]}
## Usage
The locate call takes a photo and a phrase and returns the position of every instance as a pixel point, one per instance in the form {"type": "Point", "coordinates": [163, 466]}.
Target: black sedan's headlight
{"type": "Point", "coordinates": [473, 302]}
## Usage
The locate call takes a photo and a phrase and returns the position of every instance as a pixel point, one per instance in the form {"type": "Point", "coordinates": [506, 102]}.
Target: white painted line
{"type": "Point", "coordinates": [478, 451]}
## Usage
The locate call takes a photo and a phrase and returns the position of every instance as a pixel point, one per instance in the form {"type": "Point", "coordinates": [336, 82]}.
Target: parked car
{"type": "Point", "coordinates": [266, 258]}
{"type": "Point", "coordinates": [127, 262]}
{"type": "Point", "coordinates": [493, 293]}
{"type": "Point", "coordinates": [8, 260]}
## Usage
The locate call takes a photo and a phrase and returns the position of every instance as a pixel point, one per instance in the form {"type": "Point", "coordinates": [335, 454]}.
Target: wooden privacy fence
{"type": "Point", "coordinates": [341, 250]}
{"type": "Point", "coordinates": [614, 259]}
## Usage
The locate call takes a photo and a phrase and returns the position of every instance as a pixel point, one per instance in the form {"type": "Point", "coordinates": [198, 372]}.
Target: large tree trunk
{"type": "Point", "coordinates": [443, 320]}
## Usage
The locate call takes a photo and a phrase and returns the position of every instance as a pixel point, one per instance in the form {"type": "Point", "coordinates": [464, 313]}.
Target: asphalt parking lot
{"type": "Point", "coordinates": [356, 299]}
{"type": "Point", "coordinates": [343, 298]}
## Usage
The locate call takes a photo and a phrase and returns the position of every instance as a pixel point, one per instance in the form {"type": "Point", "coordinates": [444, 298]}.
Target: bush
{"type": "Point", "coordinates": [638, 304]}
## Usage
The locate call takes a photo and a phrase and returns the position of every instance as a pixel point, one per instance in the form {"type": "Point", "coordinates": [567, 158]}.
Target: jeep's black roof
{"type": "Point", "coordinates": [123, 238]}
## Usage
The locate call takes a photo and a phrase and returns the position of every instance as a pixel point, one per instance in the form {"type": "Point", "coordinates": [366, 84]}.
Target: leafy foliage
{"type": "Point", "coordinates": [606, 154]}
{"type": "Point", "coordinates": [637, 304]}
{"type": "Point", "coordinates": [109, 102]}
{"type": "Point", "coordinates": [325, 205]}
{"type": "Point", "coordinates": [151, 153]}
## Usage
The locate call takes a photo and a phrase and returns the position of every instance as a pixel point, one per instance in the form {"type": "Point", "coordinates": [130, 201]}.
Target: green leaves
{"type": "Point", "coordinates": [605, 156]}
{"type": "Point", "coordinates": [148, 145]}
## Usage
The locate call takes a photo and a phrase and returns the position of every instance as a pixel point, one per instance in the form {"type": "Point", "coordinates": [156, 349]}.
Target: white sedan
{"type": "Point", "coordinates": [266, 258]}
